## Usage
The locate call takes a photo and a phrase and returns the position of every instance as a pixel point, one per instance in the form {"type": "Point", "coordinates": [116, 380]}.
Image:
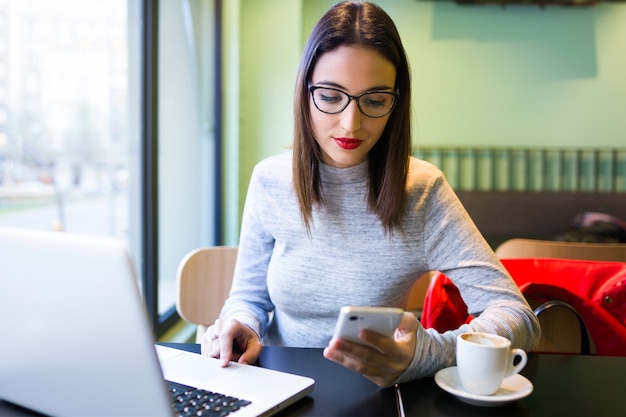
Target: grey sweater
{"type": "Point", "coordinates": [289, 286]}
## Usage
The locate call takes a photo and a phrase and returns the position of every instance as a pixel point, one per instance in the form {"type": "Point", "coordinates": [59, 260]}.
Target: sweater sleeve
{"type": "Point", "coordinates": [249, 301]}
{"type": "Point", "coordinates": [454, 246]}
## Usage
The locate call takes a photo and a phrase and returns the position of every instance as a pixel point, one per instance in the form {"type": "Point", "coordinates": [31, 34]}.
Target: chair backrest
{"type": "Point", "coordinates": [594, 291]}
{"type": "Point", "coordinates": [415, 302]}
{"type": "Point", "coordinates": [559, 324]}
{"type": "Point", "coordinates": [532, 248]}
{"type": "Point", "coordinates": [203, 283]}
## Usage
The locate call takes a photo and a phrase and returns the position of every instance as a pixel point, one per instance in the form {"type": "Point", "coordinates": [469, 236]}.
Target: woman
{"type": "Point", "coordinates": [350, 218]}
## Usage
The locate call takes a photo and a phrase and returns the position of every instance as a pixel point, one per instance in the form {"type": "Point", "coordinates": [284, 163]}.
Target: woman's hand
{"type": "Point", "coordinates": [230, 340]}
{"type": "Point", "coordinates": [386, 360]}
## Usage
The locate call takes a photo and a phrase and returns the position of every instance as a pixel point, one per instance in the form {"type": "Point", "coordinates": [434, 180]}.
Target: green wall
{"type": "Point", "coordinates": [482, 75]}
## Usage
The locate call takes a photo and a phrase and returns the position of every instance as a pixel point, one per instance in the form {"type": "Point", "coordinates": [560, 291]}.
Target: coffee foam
{"type": "Point", "coordinates": [482, 340]}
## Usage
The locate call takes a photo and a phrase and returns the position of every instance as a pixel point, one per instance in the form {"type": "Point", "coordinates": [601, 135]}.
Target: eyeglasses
{"type": "Point", "coordinates": [372, 104]}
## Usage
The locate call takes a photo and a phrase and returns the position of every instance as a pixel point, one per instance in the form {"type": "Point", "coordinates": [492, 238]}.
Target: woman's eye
{"type": "Point", "coordinates": [331, 98]}
{"type": "Point", "coordinates": [375, 101]}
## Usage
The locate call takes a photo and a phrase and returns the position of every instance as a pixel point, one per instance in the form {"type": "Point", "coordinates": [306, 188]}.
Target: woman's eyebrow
{"type": "Point", "coordinates": [341, 87]}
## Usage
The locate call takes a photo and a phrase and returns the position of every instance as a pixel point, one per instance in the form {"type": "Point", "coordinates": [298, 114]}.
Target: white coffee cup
{"type": "Point", "coordinates": [484, 360]}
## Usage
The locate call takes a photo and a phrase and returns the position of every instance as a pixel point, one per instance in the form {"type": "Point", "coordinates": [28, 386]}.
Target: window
{"type": "Point", "coordinates": [65, 133]}
{"type": "Point", "coordinates": [81, 149]}
{"type": "Point", "coordinates": [188, 137]}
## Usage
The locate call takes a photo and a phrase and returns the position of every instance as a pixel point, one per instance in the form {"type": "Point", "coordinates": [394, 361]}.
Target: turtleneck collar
{"type": "Point", "coordinates": [350, 175]}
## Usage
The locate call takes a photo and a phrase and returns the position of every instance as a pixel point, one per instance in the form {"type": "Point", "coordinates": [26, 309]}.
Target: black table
{"type": "Point", "coordinates": [564, 385]}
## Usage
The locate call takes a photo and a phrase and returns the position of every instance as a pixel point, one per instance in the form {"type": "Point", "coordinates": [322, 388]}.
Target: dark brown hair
{"type": "Point", "coordinates": [356, 24]}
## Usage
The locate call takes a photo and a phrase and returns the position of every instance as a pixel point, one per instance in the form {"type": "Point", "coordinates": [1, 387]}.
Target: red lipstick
{"type": "Point", "coordinates": [348, 143]}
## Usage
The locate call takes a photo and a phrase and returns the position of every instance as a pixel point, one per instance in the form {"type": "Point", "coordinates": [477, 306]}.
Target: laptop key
{"type": "Point", "coordinates": [190, 401]}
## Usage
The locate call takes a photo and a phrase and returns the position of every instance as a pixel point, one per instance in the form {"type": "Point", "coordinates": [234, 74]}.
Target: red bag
{"type": "Point", "coordinates": [595, 289]}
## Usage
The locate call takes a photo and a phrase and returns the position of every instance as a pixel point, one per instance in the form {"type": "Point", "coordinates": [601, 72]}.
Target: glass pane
{"type": "Point", "coordinates": [186, 136]}
{"type": "Point", "coordinates": [65, 105]}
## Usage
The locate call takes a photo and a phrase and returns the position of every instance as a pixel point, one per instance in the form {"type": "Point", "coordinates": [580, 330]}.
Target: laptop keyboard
{"type": "Point", "coordinates": [190, 401]}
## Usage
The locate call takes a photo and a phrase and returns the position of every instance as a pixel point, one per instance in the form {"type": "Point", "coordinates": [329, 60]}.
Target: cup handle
{"type": "Point", "coordinates": [514, 369]}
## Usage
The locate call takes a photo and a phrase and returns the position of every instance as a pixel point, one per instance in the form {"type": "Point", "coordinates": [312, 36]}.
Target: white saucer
{"type": "Point", "coordinates": [512, 388]}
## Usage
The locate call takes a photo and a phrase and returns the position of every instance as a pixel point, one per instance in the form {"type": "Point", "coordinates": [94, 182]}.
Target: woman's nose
{"type": "Point", "coordinates": [351, 117]}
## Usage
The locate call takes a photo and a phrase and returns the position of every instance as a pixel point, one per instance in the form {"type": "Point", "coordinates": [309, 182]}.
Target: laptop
{"type": "Point", "coordinates": [76, 340]}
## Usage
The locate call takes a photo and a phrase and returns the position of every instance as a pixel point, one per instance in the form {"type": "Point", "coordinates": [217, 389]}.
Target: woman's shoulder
{"type": "Point", "coordinates": [275, 164]}
{"type": "Point", "coordinates": [273, 171]}
{"type": "Point", "coordinates": [424, 180]}
{"type": "Point", "coordinates": [423, 172]}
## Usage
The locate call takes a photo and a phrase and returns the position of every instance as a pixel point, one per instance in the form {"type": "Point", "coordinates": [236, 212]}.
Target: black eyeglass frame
{"type": "Point", "coordinates": [394, 94]}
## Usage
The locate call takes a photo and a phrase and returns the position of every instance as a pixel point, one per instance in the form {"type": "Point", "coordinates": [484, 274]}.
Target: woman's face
{"type": "Point", "coordinates": [347, 137]}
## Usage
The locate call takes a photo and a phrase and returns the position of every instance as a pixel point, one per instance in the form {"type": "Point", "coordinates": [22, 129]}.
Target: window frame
{"type": "Point", "coordinates": [149, 144]}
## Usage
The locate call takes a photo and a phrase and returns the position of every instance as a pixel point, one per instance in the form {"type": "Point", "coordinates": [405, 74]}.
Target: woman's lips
{"type": "Point", "coordinates": [348, 143]}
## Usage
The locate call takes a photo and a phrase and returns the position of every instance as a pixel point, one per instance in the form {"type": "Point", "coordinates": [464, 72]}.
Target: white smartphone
{"type": "Point", "coordinates": [352, 320]}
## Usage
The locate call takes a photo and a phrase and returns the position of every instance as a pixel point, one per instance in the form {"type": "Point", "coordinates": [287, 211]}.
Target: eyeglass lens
{"type": "Point", "coordinates": [374, 104]}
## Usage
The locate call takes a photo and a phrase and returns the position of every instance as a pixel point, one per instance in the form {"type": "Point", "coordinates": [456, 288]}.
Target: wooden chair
{"type": "Point", "coordinates": [415, 302]}
{"type": "Point", "coordinates": [532, 248]}
{"type": "Point", "coordinates": [203, 282]}
{"type": "Point", "coordinates": [580, 303]}
{"type": "Point", "coordinates": [561, 326]}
